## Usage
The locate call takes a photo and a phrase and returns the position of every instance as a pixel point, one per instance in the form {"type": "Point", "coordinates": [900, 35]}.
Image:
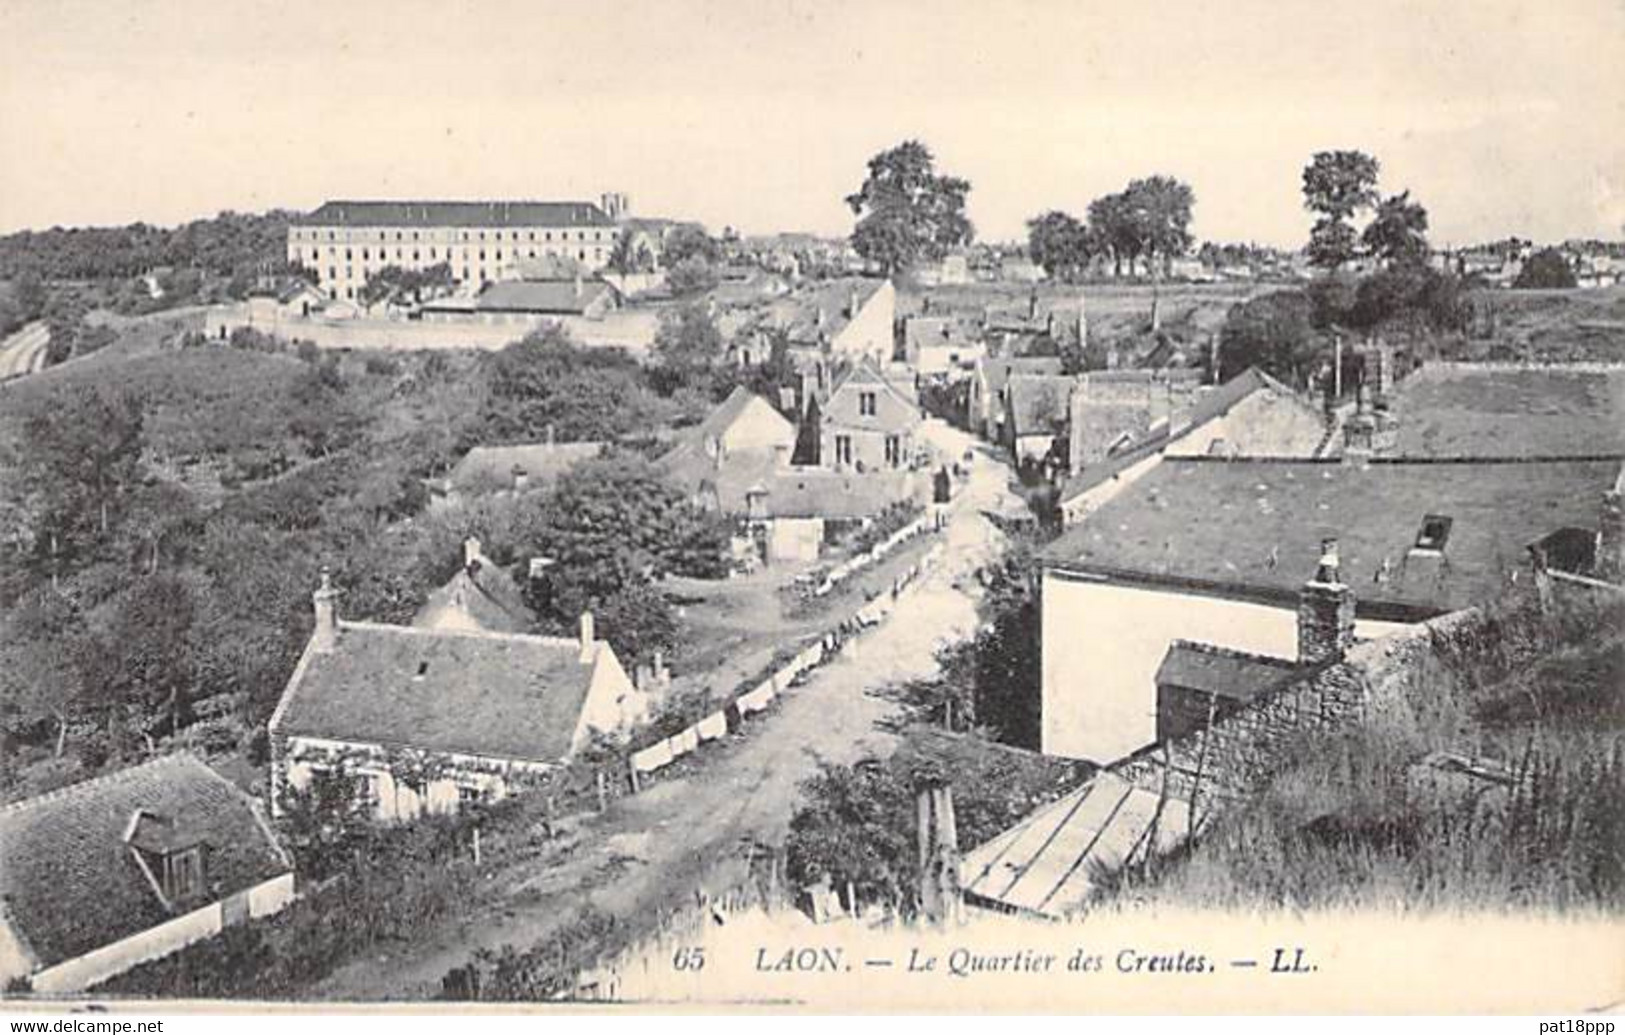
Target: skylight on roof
{"type": "Point", "coordinates": [1435, 531]}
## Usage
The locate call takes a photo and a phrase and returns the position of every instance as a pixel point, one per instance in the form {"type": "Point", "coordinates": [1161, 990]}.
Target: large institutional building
{"type": "Point", "coordinates": [345, 242]}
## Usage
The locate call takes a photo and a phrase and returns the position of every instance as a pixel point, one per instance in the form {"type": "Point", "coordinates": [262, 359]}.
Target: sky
{"type": "Point", "coordinates": [1501, 117]}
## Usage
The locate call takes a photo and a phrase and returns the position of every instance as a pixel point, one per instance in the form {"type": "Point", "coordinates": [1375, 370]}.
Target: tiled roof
{"type": "Point", "coordinates": [1038, 404]}
{"type": "Point", "coordinates": [1255, 526]}
{"type": "Point", "coordinates": [800, 492]}
{"type": "Point", "coordinates": [481, 594]}
{"type": "Point", "coordinates": [543, 463]}
{"type": "Point", "coordinates": [1233, 674]}
{"type": "Point", "coordinates": [564, 297]}
{"type": "Point", "coordinates": [473, 214]}
{"type": "Point", "coordinates": [493, 695]}
{"type": "Point", "coordinates": [999, 369]}
{"type": "Point", "coordinates": [1468, 409]}
{"type": "Point", "coordinates": [69, 881]}
{"type": "Point", "coordinates": [1047, 863]}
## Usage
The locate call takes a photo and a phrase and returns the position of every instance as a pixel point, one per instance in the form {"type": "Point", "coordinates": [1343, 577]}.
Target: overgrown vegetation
{"type": "Point", "coordinates": [1371, 818]}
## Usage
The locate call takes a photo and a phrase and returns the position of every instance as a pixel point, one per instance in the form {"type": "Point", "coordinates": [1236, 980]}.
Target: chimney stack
{"type": "Point", "coordinates": [1083, 323]}
{"type": "Point", "coordinates": [472, 558]}
{"type": "Point", "coordinates": [588, 646]}
{"type": "Point", "coordinates": [940, 899]}
{"type": "Point", "coordinates": [1032, 305]}
{"type": "Point", "coordinates": [852, 304]}
{"type": "Point", "coordinates": [1325, 611]}
{"type": "Point", "coordinates": [521, 478]}
{"type": "Point", "coordinates": [325, 600]}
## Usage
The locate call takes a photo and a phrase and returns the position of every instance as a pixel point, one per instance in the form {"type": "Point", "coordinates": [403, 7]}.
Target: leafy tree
{"type": "Point", "coordinates": [84, 453]}
{"type": "Point", "coordinates": [323, 823]}
{"type": "Point", "coordinates": [638, 620]}
{"type": "Point", "coordinates": [1336, 186]}
{"type": "Point", "coordinates": [394, 282]}
{"type": "Point", "coordinates": [1398, 232]}
{"type": "Point", "coordinates": [1160, 208]}
{"type": "Point", "coordinates": [614, 522]}
{"type": "Point", "coordinates": [1060, 243]}
{"type": "Point", "coordinates": [629, 255]}
{"type": "Point", "coordinates": [1273, 333]}
{"type": "Point", "coordinates": [1113, 226]}
{"type": "Point", "coordinates": [546, 381]}
{"type": "Point", "coordinates": [693, 275]}
{"type": "Point", "coordinates": [907, 212]}
{"type": "Point", "coordinates": [687, 348]}
{"type": "Point", "coordinates": [686, 242]}
{"type": "Point", "coordinates": [1547, 268]}
{"type": "Point", "coordinates": [857, 826]}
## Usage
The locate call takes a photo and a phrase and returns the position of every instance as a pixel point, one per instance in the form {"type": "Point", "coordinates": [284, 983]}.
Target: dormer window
{"type": "Point", "coordinates": [172, 858]}
{"type": "Point", "coordinates": [1435, 531]}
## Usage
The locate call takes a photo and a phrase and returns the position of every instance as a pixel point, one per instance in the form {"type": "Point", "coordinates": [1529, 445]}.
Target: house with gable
{"type": "Point", "coordinates": [987, 396]}
{"type": "Point", "coordinates": [103, 875]}
{"type": "Point", "coordinates": [868, 423]}
{"type": "Point", "coordinates": [479, 597]}
{"type": "Point", "coordinates": [1204, 549]}
{"type": "Point", "coordinates": [1035, 415]}
{"type": "Point", "coordinates": [940, 346]}
{"type": "Point", "coordinates": [532, 465]}
{"type": "Point", "coordinates": [745, 433]}
{"type": "Point", "coordinates": [1251, 415]}
{"type": "Point", "coordinates": [1114, 409]}
{"type": "Point", "coordinates": [427, 717]}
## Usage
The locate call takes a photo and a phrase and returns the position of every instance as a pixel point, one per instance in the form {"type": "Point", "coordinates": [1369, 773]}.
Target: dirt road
{"type": "Point", "coordinates": [653, 850]}
{"type": "Point", "coordinates": [24, 352]}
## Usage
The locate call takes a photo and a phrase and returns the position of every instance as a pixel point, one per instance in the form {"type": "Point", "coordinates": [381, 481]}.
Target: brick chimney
{"type": "Point", "coordinates": [939, 850]}
{"type": "Point", "coordinates": [589, 646]}
{"type": "Point", "coordinates": [1610, 564]}
{"type": "Point", "coordinates": [472, 558]}
{"type": "Point", "coordinates": [1325, 611]}
{"type": "Point", "coordinates": [325, 637]}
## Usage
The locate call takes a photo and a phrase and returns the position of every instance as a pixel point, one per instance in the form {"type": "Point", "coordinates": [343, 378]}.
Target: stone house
{"type": "Point", "coordinates": [1035, 414]}
{"type": "Point", "coordinates": [1202, 549]}
{"type": "Point", "coordinates": [426, 718]}
{"type": "Point", "coordinates": [100, 876]}
{"type": "Point", "coordinates": [867, 423]}
{"type": "Point", "coordinates": [986, 400]}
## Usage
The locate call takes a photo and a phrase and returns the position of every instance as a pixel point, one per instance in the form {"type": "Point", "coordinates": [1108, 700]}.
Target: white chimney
{"type": "Point", "coordinates": [588, 646]}
{"type": "Point", "coordinates": [325, 600]}
{"type": "Point", "coordinates": [521, 478]}
{"type": "Point", "coordinates": [471, 552]}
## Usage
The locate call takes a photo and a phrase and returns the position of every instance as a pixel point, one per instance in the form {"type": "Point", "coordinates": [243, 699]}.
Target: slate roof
{"type": "Point", "coordinates": [542, 296]}
{"type": "Point", "coordinates": [481, 593]}
{"type": "Point", "coordinates": [689, 465]}
{"type": "Point", "coordinates": [501, 696]}
{"type": "Point", "coordinates": [797, 313]}
{"type": "Point", "coordinates": [457, 214]}
{"type": "Point", "coordinates": [1038, 404]}
{"type": "Point", "coordinates": [1207, 406]}
{"type": "Point", "coordinates": [544, 462]}
{"type": "Point", "coordinates": [1233, 674]}
{"type": "Point", "coordinates": [1253, 527]}
{"type": "Point", "coordinates": [937, 332]}
{"type": "Point", "coordinates": [997, 370]}
{"type": "Point", "coordinates": [811, 492]}
{"type": "Point", "coordinates": [1468, 409]}
{"type": "Point", "coordinates": [1046, 863]}
{"type": "Point", "coordinates": [68, 881]}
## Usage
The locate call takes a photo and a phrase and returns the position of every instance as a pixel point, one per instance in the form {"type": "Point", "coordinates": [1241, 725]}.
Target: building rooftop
{"type": "Point", "coordinates": [1253, 527]}
{"type": "Point", "coordinates": [1233, 674]}
{"type": "Point", "coordinates": [492, 467]}
{"type": "Point", "coordinates": [798, 312]}
{"type": "Point", "coordinates": [69, 880]}
{"type": "Point", "coordinates": [1038, 404]}
{"type": "Point", "coordinates": [552, 297]}
{"type": "Point", "coordinates": [481, 214]}
{"type": "Point", "coordinates": [997, 370]}
{"type": "Point", "coordinates": [1475, 409]}
{"type": "Point", "coordinates": [493, 695]}
{"type": "Point", "coordinates": [1049, 861]}
{"type": "Point", "coordinates": [480, 596]}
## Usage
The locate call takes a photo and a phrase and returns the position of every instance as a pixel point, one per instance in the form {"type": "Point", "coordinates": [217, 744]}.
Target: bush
{"type": "Point", "coordinates": [1546, 268]}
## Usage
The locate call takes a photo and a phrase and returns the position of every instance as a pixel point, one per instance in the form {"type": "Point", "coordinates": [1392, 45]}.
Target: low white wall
{"type": "Point", "coordinates": [155, 942]}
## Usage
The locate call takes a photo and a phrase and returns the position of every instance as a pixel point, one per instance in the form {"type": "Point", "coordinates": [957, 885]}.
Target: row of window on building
{"type": "Point", "coordinates": [434, 254]}
{"type": "Point", "coordinates": [400, 235]}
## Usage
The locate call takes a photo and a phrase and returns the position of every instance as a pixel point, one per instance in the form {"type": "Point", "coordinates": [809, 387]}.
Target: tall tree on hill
{"type": "Point", "coordinates": [84, 455]}
{"type": "Point", "coordinates": [1397, 233]}
{"type": "Point", "coordinates": [1160, 214]}
{"type": "Point", "coordinates": [1337, 185]}
{"type": "Point", "coordinates": [1060, 243]}
{"type": "Point", "coordinates": [907, 212]}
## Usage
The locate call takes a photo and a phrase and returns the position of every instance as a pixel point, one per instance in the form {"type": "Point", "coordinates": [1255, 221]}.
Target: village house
{"type": "Point", "coordinates": [480, 597]}
{"type": "Point", "coordinates": [518, 468]}
{"type": "Point", "coordinates": [867, 423]}
{"type": "Point", "coordinates": [791, 515]}
{"type": "Point", "coordinates": [845, 319]}
{"type": "Point", "coordinates": [1251, 415]}
{"type": "Point", "coordinates": [100, 876]}
{"type": "Point", "coordinates": [939, 346]}
{"type": "Point", "coordinates": [986, 401]}
{"type": "Point", "coordinates": [528, 302]}
{"type": "Point", "coordinates": [1203, 549]}
{"type": "Point", "coordinates": [1113, 409]}
{"type": "Point", "coordinates": [745, 433]}
{"type": "Point", "coordinates": [427, 718]}
{"type": "Point", "coordinates": [1035, 415]}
